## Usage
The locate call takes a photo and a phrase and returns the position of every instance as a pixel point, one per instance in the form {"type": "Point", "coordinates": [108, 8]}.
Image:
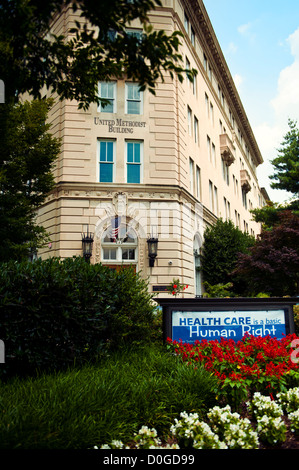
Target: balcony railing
{"type": "Point", "coordinates": [227, 149]}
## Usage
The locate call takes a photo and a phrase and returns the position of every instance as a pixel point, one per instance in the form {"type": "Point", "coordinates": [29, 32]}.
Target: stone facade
{"type": "Point", "coordinates": [167, 164]}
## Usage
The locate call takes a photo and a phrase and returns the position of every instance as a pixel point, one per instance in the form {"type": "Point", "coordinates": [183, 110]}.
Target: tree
{"type": "Point", "coordinates": [272, 264]}
{"type": "Point", "coordinates": [32, 58]}
{"type": "Point", "coordinates": [286, 176]}
{"type": "Point", "coordinates": [27, 152]}
{"type": "Point", "coordinates": [286, 165]}
{"type": "Point", "coordinates": [222, 243]}
{"type": "Point", "coordinates": [98, 48]}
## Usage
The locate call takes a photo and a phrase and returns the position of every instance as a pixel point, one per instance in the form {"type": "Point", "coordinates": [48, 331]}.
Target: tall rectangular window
{"type": "Point", "coordinates": [192, 36]}
{"type": "Point", "coordinates": [216, 200]}
{"type": "Point", "coordinates": [209, 148]}
{"type": "Point", "coordinates": [212, 112]}
{"type": "Point", "coordinates": [134, 151]}
{"type": "Point", "coordinates": [198, 183]}
{"type": "Point", "coordinates": [106, 149]}
{"type": "Point", "coordinates": [186, 23]}
{"type": "Point", "coordinates": [134, 99]}
{"type": "Point", "coordinates": [189, 117]}
{"type": "Point", "coordinates": [213, 154]}
{"type": "Point", "coordinates": [211, 196]}
{"type": "Point", "coordinates": [191, 171]}
{"type": "Point", "coordinates": [107, 90]}
{"type": "Point", "coordinates": [195, 129]}
{"type": "Point", "coordinates": [207, 105]}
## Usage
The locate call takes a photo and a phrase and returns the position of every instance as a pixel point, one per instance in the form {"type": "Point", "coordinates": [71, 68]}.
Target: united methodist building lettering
{"type": "Point", "coordinates": [119, 126]}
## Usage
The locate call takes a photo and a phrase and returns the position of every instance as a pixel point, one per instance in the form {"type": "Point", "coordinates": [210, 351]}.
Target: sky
{"type": "Point", "coordinates": [260, 42]}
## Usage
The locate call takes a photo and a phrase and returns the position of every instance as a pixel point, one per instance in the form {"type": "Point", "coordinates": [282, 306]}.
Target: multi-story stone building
{"type": "Point", "coordinates": [163, 166]}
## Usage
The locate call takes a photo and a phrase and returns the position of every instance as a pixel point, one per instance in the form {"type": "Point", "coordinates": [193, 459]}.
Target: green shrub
{"type": "Point", "coordinates": [218, 290]}
{"type": "Point", "coordinates": [81, 408]}
{"type": "Point", "coordinates": [56, 312]}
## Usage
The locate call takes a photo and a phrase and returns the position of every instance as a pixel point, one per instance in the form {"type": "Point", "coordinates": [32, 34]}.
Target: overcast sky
{"type": "Point", "coordinates": [260, 42]}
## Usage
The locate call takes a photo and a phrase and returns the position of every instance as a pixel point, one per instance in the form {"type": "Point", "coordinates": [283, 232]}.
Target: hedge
{"type": "Point", "coordinates": [54, 313]}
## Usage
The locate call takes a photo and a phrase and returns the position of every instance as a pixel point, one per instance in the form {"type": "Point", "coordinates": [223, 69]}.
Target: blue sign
{"type": "Point", "coordinates": [192, 326]}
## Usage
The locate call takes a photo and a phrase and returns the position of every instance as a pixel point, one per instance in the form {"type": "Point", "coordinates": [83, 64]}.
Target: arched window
{"type": "Point", "coordinates": [119, 245]}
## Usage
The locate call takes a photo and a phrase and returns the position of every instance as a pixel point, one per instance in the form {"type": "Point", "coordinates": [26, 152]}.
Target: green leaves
{"type": "Point", "coordinates": [222, 243]}
{"type": "Point", "coordinates": [72, 64]}
{"type": "Point", "coordinates": [27, 154]}
{"type": "Point", "coordinates": [55, 312]}
{"type": "Point", "coordinates": [286, 165]}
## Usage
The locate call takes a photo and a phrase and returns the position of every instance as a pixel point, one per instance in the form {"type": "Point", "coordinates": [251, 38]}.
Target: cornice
{"type": "Point", "coordinates": [204, 29]}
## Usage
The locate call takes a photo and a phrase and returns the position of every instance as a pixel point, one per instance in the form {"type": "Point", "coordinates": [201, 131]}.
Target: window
{"type": "Point", "coordinates": [106, 150]}
{"type": "Point", "coordinates": [134, 99]}
{"type": "Point", "coordinates": [189, 115]}
{"type": "Point", "coordinates": [188, 68]}
{"type": "Point", "coordinates": [205, 62]}
{"type": "Point", "coordinates": [186, 23]}
{"type": "Point", "coordinates": [134, 150]}
{"type": "Point", "coordinates": [195, 129]}
{"type": "Point", "coordinates": [120, 247]}
{"type": "Point", "coordinates": [192, 36]}
{"type": "Point", "coordinates": [212, 112]}
{"type": "Point", "coordinates": [107, 90]}
{"type": "Point", "coordinates": [225, 172]}
{"type": "Point", "coordinates": [207, 104]}
{"type": "Point", "coordinates": [209, 148]}
{"type": "Point", "coordinates": [135, 33]}
{"type": "Point", "coordinates": [216, 200]}
{"type": "Point", "coordinates": [244, 198]}
{"type": "Point", "coordinates": [191, 171]}
{"type": "Point", "coordinates": [211, 196]}
{"type": "Point", "coordinates": [227, 209]}
{"type": "Point", "coordinates": [198, 183]}
{"type": "Point", "coordinates": [213, 193]}
{"type": "Point", "coordinates": [213, 155]}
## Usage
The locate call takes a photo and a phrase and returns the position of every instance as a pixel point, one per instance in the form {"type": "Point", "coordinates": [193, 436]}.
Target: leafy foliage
{"type": "Point", "coordinates": [286, 165]}
{"type": "Point", "coordinates": [222, 243]}
{"type": "Point", "coordinates": [99, 47]}
{"type": "Point", "coordinates": [272, 265]}
{"type": "Point", "coordinates": [27, 155]}
{"type": "Point", "coordinates": [54, 313]}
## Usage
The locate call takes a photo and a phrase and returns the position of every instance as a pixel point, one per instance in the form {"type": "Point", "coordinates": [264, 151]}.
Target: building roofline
{"type": "Point", "coordinates": [210, 40]}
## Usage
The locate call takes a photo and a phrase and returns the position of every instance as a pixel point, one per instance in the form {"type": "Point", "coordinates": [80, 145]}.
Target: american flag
{"type": "Point", "coordinates": [115, 224]}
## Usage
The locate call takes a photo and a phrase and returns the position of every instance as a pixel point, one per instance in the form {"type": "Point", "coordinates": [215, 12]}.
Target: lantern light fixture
{"type": "Point", "coordinates": [87, 242]}
{"type": "Point", "coordinates": [152, 250]}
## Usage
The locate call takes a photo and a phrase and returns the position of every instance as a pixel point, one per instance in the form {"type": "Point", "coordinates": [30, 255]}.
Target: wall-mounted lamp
{"type": "Point", "coordinates": [152, 250]}
{"type": "Point", "coordinates": [87, 241]}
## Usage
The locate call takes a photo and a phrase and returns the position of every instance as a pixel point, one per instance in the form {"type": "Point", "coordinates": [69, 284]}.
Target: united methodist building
{"type": "Point", "coordinates": [139, 180]}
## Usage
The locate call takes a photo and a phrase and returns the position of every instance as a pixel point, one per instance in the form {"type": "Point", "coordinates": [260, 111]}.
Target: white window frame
{"type": "Point", "coordinates": [189, 120]}
{"type": "Point", "coordinates": [191, 171]}
{"type": "Point", "coordinates": [98, 158]}
{"type": "Point", "coordinates": [198, 183]}
{"type": "Point", "coordinates": [114, 100]}
{"type": "Point", "coordinates": [118, 247]}
{"type": "Point", "coordinates": [127, 141]}
{"type": "Point", "coordinates": [127, 100]}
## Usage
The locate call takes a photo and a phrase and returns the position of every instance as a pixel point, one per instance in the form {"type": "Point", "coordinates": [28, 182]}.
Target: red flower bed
{"type": "Point", "coordinates": [256, 363]}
